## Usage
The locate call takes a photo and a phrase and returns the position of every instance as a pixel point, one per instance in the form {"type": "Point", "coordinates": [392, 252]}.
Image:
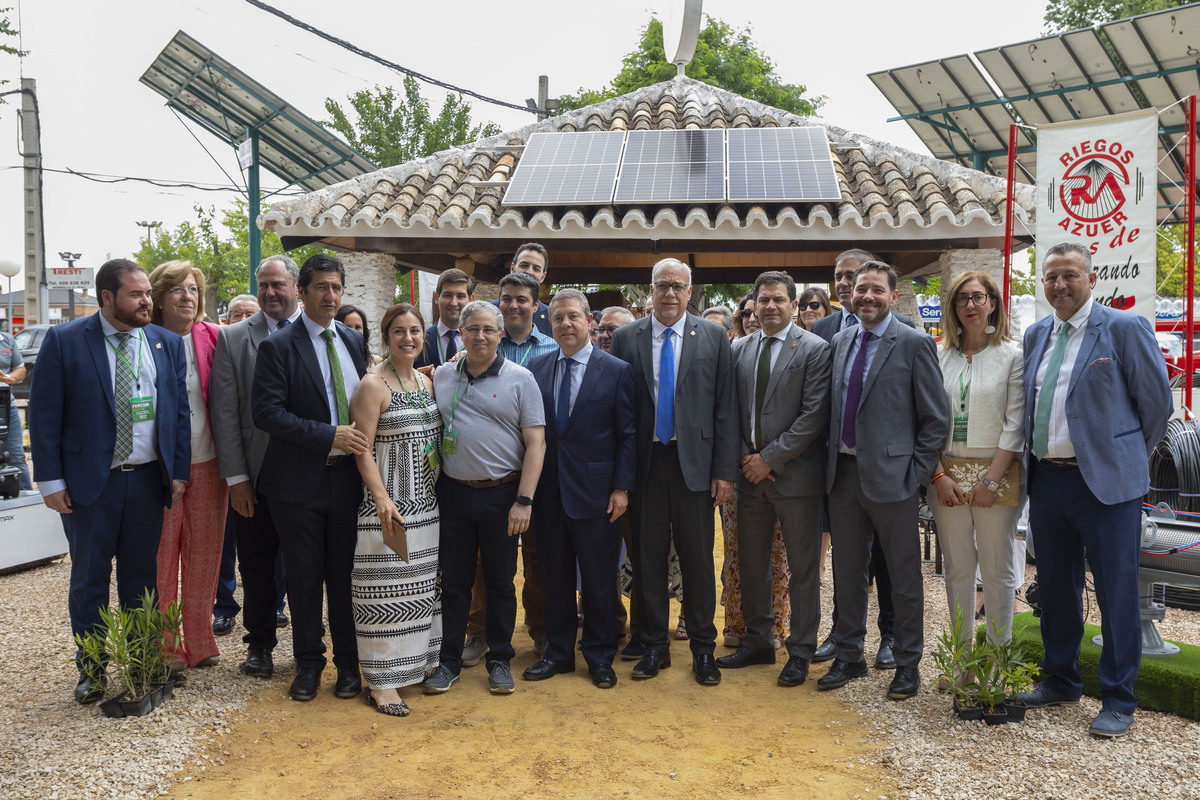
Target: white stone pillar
{"type": "Point", "coordinates": [370, 285]}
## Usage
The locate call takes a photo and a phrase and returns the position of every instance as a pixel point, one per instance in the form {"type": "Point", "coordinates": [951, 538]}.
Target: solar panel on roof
{"type": "Point", "coordinates": [781, 165]}
{"type": "Point", "coordinates": [566, 169]}
{"type": "Point", "coordinates": [673, 167]}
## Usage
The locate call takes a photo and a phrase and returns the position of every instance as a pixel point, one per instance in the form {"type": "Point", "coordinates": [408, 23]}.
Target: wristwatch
{"type": "Point", "coordinates": [524, 500]}
{"type": "Point", "coordinates": [992, 486]}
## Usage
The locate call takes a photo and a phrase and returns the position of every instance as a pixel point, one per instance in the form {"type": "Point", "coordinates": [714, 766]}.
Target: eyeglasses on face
{"type": "Point", "coordinates": [979, 299]}
{"type": "Point", "coordinates": [604, 330]}
{"type": "Point", "coordinates": [662, 287]}
{"type": "Point", "coordinates": [180, 291]}
{"type": "Point", "coordinates": [475, 330]}
{"type": "Point", "coordinates": [814, 305]}
{"type": "Point", "coordinates": [746, 313]}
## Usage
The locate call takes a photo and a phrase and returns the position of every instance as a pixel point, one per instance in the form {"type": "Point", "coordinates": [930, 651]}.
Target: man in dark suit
{"type": "Point", "coordinates": [455, 289]}
{"type": "Point", "coordinates": [888, 421]}
{"type": "Point", "coordinates": [783, 393]}
{"type": "Point", "coordinates": [532, 259]}
{"type": "Point", "coordinates": [827, 327]}
{"type": "Point", "coordinates": [303, 381]}
{"type": "Point", "coordinates": [1096, 403]}
{"type": "Point", "coordinates": [240, 449]}
{"type": "Point", "coordinates": [687, 461]}
{"type": "Point", "coordinates": [109, 424]}
{"type": "Point", "coordinates": [587, 476]}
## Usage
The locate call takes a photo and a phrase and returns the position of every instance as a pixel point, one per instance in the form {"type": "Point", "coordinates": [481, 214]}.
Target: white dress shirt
{"type": "Point", "coordinates": [658, 335]}
{"type": "Point", "coordinates": [776, 349]}
{"type": "Point", "coordinates": [445, 336]}
{"type": "Point", "coordinates": [273, 324]}
{"type": "Point", "coordinates": [1059, 444]}
{"type": "Point", "coordinates": [349, 373]}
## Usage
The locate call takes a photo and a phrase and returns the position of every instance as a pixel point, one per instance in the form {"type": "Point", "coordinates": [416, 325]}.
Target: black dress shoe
{"type": "Point", "coordinates": [884, 659]}
{"type": "Point", "coordinates": [705, 667]}
{"type": "Point", "coordinates": [795, 673]}
{"type": "Point", "coordinates": [543, 669]}
{"type": "Point", "coordinates": [603, 675]}
{"type": "Point", "coordinates": [349, 682]}
{"type": "Point", "coordinates": [258, 663]}
{"type": "Point", "coordinates": [281, 621]}
{"type": "Point", "coordinates": [634, 650]}
{"type": "Point", "coordinates": [305, 684]}
{"type": "Point", "coordinates": [222, 625]}
{"type": "Point", "coordinates": [746, 656]}
{"type": "Point", "coordinates": [841, 673]}
{"type": "Point", "coordinates": [826, 652]}
{"type": "Point", "coordinates": [905, 684]}
{"type": "Point", "coordinates": [89, 690]}
{"type": "Point", "coordinates": [650, 664]}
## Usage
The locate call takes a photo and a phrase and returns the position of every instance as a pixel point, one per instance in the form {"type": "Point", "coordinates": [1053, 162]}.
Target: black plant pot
{"type": "Point", "coordinates": [968, 712]}
{"type": "Point", "coordinates": [141, 706]}
{"type": "Point", "coordinates": [112, 706]}
{"type": "Point", "coordinates": [1016, 711]}
{"type": "Point", "coordinates": [996, 716]}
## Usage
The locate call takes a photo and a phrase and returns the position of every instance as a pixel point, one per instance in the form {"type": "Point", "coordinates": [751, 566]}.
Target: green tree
{"type": "Point", "coordinates": [7, 30]}
{"type": "Point", "coordinates": [391, 130]}
{"type": "Point", "coordinates": [725, 57]}
{"type": "Point", "coordinates": [1071, 15]}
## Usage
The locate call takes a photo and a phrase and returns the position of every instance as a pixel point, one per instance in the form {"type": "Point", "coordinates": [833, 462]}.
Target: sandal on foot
{"type": "Point", "coordinates": [391, 709]}
{"type": "Point", "coordinates": [681, 631]}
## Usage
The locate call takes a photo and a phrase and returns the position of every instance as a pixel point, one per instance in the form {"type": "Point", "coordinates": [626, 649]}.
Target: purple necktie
{"type": "Point", "coordinates": [854, 392]}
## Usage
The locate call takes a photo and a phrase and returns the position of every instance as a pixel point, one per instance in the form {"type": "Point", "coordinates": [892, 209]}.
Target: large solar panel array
{"type": "Point", "coordinates": [673, 167]}
{"type": "Point", "coordinates": [780, 164]}
{"type": "Point", "coordinates": [688, 166]}
{"type": "Point", "coordinates": [567, 169]}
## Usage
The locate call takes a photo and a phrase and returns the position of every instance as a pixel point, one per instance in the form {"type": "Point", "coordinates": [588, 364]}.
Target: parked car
{"type": "Point", "coordinates": [29, 341]}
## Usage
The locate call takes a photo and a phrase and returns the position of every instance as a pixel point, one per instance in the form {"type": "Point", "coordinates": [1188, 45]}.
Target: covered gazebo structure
{"type": "Point", "coordinates": [923, 215]}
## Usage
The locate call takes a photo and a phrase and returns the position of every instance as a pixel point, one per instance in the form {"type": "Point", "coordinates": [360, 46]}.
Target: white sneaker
{"type": "Point", "coordinates": [473, 650]}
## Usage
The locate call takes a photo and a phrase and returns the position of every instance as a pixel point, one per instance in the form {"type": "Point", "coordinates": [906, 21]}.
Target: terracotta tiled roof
{"type": "Point", "coordinates": [887, 192]}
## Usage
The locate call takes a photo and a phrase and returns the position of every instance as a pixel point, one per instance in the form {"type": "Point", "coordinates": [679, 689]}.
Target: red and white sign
{"type": "Point", "coordinates": [1096, 186]}
{"type": "Point", "coordinates": [71, 277]}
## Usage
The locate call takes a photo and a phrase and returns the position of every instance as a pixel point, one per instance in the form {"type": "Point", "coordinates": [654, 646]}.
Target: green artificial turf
{"type": "Point", "coordinates": [1164, 684]}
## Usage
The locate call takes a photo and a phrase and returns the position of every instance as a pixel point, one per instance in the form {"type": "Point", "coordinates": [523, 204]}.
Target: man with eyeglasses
{"type": "Point", "coordinates": [611, 319]}
{"type": "Point", "coordinates": [721, 316]}
{"type": "Point", "coordinates": [687, 443]}
{"type": "Point", "coordinates": [493, 444]}
{"type": "Point", "coordinates": [843, 282]}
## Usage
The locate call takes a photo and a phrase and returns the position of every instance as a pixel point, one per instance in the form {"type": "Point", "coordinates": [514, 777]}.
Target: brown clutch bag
{"type": "Point", "coordinates": [967, 472]}
{"type": "Point", "coordinates": [397, 538]}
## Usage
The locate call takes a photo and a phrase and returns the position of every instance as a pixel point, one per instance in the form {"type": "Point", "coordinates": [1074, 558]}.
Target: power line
{"type": "Point", "coordinates": [380, 60]}
{"type": "Point", "coordinates": [100, 177]}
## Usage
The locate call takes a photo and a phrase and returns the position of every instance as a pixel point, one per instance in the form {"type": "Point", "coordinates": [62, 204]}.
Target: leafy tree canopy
{"type": "Point", "coordinates": [1070, 15]}
{"type": "Point", "coordinates": [6, 31]}
{"type": "Point", "coordinates": [389, 129]}
{"type": "Point", "coordinates": [725, 57]}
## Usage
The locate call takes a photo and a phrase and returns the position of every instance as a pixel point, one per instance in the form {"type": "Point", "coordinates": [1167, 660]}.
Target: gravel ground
{"type": "Point", "coordinates": [52, 748]}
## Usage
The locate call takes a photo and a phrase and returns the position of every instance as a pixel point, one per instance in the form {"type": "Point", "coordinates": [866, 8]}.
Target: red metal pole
{"type": "Point", "coordinates": [412, 290]}
{"type": "Point", "coordinates": [1008, 214]}
{"type": "Point", "coordinates": [1189, 311]}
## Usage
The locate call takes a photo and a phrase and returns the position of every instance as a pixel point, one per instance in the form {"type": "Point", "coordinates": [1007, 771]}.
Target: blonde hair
{"type": "Point", "coordinates": [997, 319]}
{"type": "Point", "coordinates": [167, 276]}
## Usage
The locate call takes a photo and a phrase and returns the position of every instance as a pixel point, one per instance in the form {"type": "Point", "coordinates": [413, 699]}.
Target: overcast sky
{"type": "Point", "coordinates": [87, 56]}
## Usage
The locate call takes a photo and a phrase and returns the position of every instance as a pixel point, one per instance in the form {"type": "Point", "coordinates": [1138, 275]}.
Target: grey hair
{"type": "Point", "coordinates": [1062, 248]}
{"type": "Point", "coordinates": [726, 315]}
{"type": "Point", "coordinates": [571, 294]}
{"type": "Point", "coordinates": [243, 298]}
{"type": "Point", "coordinates": [629, 317]}
{"type": "Point", "coordinates": [477, 306]}
{"type": "Point", "coordinates": [670, 262]}
{"type": "Point", "coordinates": [288, 264]}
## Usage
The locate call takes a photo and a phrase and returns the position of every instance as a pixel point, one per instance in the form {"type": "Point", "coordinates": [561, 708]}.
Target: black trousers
{"type": "Point", "coordinates": [318, 533]}
{"type": "Point", "coordinates": [259, 564]}
{"type": "Point", "coordinates": [666, 509]}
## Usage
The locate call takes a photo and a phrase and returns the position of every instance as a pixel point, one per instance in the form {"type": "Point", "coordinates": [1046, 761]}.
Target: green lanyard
{"type": "Point", "coordinates": [124, 360]}
{"type": "Point", "coordinates": [964, 389]}
{"type": "Point", "coordinates": [457, 386]}
{"type": "Point", "coordinates": [410, 395]}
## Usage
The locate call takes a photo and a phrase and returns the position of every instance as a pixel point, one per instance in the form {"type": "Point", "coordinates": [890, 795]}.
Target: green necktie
{"type": "Point", "coordinates": [339, 383]}
{"type": "Point", "coordinates": [122, 394]}
{"type": "Point", "coordinates": [760, 386]}
{"type": "Point", "coordinates": [1045, 402]}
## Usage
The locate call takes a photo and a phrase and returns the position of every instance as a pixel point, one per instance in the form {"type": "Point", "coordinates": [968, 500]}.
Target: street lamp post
{"type": "Point", "coordinates": [10, 269]}
{"type": "Point", "coordinates": [70, 258]}
{"type": "Point", "coordinates": [148, 226]}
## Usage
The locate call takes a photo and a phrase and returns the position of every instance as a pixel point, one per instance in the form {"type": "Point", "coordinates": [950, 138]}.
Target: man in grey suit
{"type": "Point", "coordinates": [687, 461]}
{"type": "Point", "coordinates": [1097, 403]}
{"type": "Point", "coordinates": [783, 395]}
{"type": "Point", "coordinates": [888, 420]}
{"type": "Point", "coordinates": [240, 449]}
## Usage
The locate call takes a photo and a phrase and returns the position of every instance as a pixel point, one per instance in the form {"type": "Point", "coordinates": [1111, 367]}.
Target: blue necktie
{"type": "Point", "coordinates": [854, 393]}
{"type": "Point", "coordinates": [563, 410]}
{"type": "Point", "coordinates": [665, 421]}
{"type": "Point", "coordinates": [283, 323]}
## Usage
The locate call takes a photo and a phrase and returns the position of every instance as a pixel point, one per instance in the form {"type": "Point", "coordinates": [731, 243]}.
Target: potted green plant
{"type": "Point", "coordinates": [1018, 675]}
{"type": "Point", "coordinates": [991, 683]}
{"type": "Point", "coordinates": [957, 668]}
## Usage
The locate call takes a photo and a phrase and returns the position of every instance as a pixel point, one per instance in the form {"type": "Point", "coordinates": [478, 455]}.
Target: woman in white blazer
{"type": "Point", "coordinates": [977, 481]}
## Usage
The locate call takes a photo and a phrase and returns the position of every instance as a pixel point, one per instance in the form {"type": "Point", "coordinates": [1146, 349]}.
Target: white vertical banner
{"type": "Point", "coordinates": [1096, 186]}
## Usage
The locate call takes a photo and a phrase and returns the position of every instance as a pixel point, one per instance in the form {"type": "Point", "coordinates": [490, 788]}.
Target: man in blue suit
{"type": "Point", "coordinates": [1097, 402]}
{"type": "Point", "coordinates": [111, 442]}
{"type": "Point", "coordinates": [589, 470]}
{"type": "Point", "coordinates": [455, 289]}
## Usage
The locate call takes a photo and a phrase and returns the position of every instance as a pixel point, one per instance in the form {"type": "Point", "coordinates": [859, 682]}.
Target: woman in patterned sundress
{"type": "Point", "coordinates": [397, 605]}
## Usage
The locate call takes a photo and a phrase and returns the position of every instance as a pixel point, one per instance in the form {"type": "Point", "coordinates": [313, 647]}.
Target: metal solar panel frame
{"type": "Point", "coordinates": [597, 153]}
{"type": "Point", "coordinates": [227, 103]}
{"type": "Point", "coordinates": [820, 156]}
{"type": "Point", "coordinates": [631, 190]}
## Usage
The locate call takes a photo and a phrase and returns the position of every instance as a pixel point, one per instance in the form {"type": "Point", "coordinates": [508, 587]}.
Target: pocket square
{"type": "Point", "coordinates": [1100, 362]}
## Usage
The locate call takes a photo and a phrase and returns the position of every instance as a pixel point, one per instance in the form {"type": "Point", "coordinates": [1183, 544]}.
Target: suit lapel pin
{"type": "Point", "coordinates": [693, 333]}
{"type": "Point", "coordinates": [793, 345]}
{"type": "Point", "coordinates": [158, 345]}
